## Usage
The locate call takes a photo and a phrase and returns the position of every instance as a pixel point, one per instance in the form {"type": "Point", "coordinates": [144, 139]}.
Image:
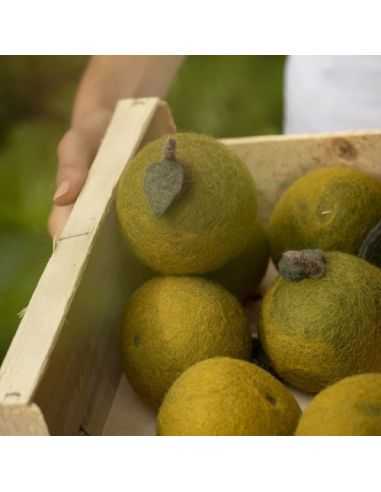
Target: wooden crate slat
{"type": "Point", "coordinates": [22, 420]}
{"type": "Point", "coordinates": [65, 352]}
{"type": "Point", "coordinates": [277, 161]}
{"type": "Point", "coordinates": [108, 380]}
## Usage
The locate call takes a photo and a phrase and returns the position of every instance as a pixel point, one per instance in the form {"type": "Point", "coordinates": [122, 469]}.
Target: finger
{"type": "Point", "coordinates": [74, 158]}
{"type": "Point", "coordinates": [57, 220]}
{"type": "Point", "coordinates": [76, 152]}
{"type": "Point", "coordinates": [93, 126]}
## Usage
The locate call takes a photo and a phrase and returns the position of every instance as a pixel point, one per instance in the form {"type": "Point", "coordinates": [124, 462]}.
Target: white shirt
{"type": "Point", "coordinates": [332, 93]}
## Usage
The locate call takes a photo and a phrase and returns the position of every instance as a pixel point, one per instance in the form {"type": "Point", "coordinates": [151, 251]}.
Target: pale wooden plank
{"type": "Point", "coordinates": [42, 322]}
{"type": "Point", "coordinates": [276, 161]}
{"type": "Point", "coordinates": [107, 382]}
{"type": "Point", "coordinates": [22, 420]}
{"type": "Point", "coordinates": [69, 329]}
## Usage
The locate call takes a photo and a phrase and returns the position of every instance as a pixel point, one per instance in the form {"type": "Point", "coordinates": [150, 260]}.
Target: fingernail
{"type": "Point", "coordinates": [61, 190]}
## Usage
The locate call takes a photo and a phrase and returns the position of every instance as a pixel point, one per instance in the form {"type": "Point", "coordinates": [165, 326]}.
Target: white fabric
{"type": "Point", "coordinates": [332, 93]}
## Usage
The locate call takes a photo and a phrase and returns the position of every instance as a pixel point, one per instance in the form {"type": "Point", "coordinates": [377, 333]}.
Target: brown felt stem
{"type": "Point", "coordinates": [299, 265]}
{"type": "Point", "coordinates": [170, 149]}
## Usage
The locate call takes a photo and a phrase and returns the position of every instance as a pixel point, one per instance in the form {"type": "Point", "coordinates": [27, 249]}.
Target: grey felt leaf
{"type": "Point", "coordinates": [163, 182]}
{"type": "Point", "coordinates": [370, 249]}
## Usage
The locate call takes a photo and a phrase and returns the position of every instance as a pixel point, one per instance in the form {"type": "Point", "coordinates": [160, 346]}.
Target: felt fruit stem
{"type": "Point", "coordinates": [299, 265]}
{"type": "Point", "coordinates": [164, 180]}
{"type": "Point", "coordinates": [169, 153]}
{"type": "Point", "coordinates": [370, 248]}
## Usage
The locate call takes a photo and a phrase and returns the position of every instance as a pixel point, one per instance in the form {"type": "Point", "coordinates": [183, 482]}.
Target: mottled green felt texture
{"type": "Point", "coordinates": [227, 397]}
{"type": "Point", "coordinates": [351, 407]}
{"type": "Point", "coordinates": [173, 322]}
{"type": "Point", "coordinates": [317, 331]}
{"type": "Point", "coordinates": [211, 221]}
{"type": "Point", "coordinates": [242, 275]}
{"type": "Point", "coordinates": [331, 208]}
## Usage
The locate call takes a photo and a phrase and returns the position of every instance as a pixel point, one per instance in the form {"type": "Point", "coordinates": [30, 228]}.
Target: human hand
{"type": "Point", "coordinates": [106, 80]}
{"type": "Point", "coordinates": [75, 151]}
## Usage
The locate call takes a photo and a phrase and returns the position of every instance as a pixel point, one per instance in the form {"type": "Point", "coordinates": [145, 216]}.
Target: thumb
{"type": "Point", "coordinates": [57, 220]}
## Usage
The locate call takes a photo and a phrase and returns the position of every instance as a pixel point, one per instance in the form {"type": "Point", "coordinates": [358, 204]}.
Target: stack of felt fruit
{"type": "Point", "coordinates": [187, 206]}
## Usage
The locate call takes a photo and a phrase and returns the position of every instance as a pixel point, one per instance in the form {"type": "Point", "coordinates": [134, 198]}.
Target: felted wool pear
{"type": "Point", "coordinates": [351, 407]}
{"type": "Point", "coordinates": [331, 208]}
{"type": "Point", "coordinates": [222, 396]}
{"type": "Point", "coordinates": [173, 322]}
{"type": "Point", "coordinates": [186, 204]}
{"type": "Point", "coordinates": [320, 321]}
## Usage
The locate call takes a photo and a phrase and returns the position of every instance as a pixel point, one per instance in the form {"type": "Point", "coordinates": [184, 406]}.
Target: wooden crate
{"type": "Point", "coordinates": [62, 373]}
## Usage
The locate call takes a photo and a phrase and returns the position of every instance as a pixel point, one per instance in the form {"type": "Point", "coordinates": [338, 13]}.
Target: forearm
{"type": "Point", "coordinates": [110, 78]}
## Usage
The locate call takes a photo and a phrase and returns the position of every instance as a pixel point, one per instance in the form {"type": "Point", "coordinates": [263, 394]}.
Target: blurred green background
{"type": "Point", "coordinates": [224, 96]}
